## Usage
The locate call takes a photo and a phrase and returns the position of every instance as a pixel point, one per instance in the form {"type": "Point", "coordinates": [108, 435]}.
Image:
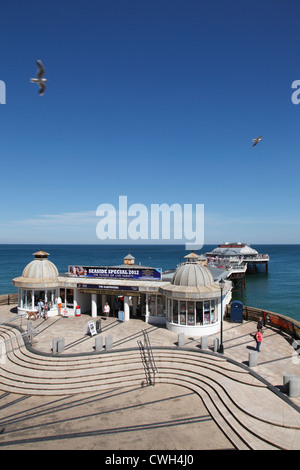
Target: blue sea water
{"type": "Point", "coordinates": [278, 291]}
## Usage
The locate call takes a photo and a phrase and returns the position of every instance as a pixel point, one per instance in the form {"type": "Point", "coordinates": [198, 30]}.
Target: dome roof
{"type": "Point", "coordinates": [40, 267]}
{"type": "Point", "coordinates": [192, 275]}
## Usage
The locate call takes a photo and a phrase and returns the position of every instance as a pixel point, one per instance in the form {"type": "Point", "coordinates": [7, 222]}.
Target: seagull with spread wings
{"type": "Point", "coordinates": [258, 139]}
{"type": "Point", "coordinates": [40, 80]}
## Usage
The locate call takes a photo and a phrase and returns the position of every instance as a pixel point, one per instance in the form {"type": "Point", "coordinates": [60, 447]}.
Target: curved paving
{"type": "Point", "coordinates": [240, 403]}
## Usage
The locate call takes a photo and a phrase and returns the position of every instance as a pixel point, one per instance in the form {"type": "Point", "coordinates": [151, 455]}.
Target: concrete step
{"type": "Point", "coordinates": [252, 430]}
{"type": "Point", "coordinates": [221, 385]}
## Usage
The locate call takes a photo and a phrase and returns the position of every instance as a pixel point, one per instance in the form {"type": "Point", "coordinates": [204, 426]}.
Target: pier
{"type": "Point", "coordinates": [228, 254]}
{"type": "Point", "coordinates": [237, 275]}
{"type": "Point", "coordinates": [257, 265]}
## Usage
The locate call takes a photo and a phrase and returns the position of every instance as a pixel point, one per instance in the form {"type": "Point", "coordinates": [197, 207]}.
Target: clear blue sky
{"type": "Point", "coordinates": [156, 100]}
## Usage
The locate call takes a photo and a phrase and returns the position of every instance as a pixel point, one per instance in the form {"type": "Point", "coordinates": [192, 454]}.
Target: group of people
{"type": "Point", "coordinates": [43, 309]}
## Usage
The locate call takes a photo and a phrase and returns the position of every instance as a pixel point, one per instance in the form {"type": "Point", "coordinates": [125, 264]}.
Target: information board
{"type": "Point", "coordinates": [91, 328]}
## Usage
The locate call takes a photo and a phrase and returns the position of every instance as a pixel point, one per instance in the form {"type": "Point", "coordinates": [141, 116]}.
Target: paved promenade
{"type": "Point", "coordinates": [166, 416]}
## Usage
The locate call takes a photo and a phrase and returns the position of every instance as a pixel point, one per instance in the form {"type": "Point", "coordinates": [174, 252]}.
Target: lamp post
{"type": "Point", "coordinates": [222, 285]}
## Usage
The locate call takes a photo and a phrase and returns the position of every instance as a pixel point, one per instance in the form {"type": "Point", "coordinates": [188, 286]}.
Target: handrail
{"type": "Point", "coordinates": [29, 334]}
{"type": "Point", "coordinates": [11, 343]}
{"type": "Point", "coordinates": [145, 363]}
{"type": "Point", "coordinates": [150, 354]}
{"type": "Point", "coordinates": [10, 320]}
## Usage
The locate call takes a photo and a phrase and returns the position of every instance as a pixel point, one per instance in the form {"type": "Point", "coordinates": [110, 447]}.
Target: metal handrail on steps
{"type": "Point", "coordinates": [7, 344]}
{"type": "Point", "coordinates": [146, 348]}
{"type": "Point", "coordinates": [150, 353]}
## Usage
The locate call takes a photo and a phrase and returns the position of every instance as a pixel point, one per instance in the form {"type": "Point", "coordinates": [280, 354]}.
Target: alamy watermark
{"type": "Point", "coordinates": [296, 94]}
{"type": "Point", "coordinates": [163, 223]}
{"type": "Point", "coordinates": [2, 92]}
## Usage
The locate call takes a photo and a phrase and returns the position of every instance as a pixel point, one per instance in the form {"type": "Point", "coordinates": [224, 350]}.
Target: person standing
{"type": "Point", "coordinates": [40, 307]}
{"type": "Point", "coordinates": [258, 340]}
{"type": "Point", "coordinates": [260, 324]}
{"type": "Point", "coordinates": [58, 301]}
{"type": "Point", "coordinates": [46, 308]}
{"type": "Point", "coordinates": [106, 310]}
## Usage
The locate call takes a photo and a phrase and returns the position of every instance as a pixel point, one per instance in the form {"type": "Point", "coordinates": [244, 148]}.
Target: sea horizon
{"type": "Point", "coordinates": [277, 291]}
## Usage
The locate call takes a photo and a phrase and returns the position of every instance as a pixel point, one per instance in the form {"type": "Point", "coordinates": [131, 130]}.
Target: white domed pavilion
{"type": "Point", "coordinates": [194, 300]}
{"type": "Point", "coordinates": [39, 281]}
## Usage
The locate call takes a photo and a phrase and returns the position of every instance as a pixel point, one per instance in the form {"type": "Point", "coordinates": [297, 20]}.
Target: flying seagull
{"type": "Point", "coordinates": [40, 80]}
{"type": "Point", "coordinates": [258, 139]}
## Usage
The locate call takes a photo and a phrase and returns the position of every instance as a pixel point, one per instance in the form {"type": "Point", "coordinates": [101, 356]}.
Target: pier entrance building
{"type": "Point", "coordinates": [188, 300]}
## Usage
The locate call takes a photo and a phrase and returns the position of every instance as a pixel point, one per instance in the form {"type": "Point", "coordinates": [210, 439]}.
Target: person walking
{"type": "Point", "coordinates": [258, 340]}
{"type": "Point", "coordinates": [106, 310]}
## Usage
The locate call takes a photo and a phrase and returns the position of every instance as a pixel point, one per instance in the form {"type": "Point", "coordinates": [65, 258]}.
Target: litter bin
{"type": "Point", "coordinates": [78, 311]}
{"type": "Point", "coordinates": [120, 315]}
{"type": "Point", "coordinates": [236, 312]}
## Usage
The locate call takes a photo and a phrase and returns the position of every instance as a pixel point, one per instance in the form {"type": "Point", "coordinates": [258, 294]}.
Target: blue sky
{"type": "Point", "coordinates": [155, 100]}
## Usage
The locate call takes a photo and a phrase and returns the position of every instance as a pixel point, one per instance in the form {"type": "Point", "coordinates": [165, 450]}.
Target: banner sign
{"type": "Point", "coordinates": [112, 288]}
{"type": "Point", "coordinates": [279, 322]}
{"type": "Point", "coordinates": [145, 274]}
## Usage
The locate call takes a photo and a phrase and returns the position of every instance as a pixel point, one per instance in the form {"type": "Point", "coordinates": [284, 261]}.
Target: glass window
{"type": "Point", "coordinates": [39, 295]}
{"type": "Point", "coordinates": [28, 299]}
{"type": "Point", "coordinates": [206, 313]}
{"type": "Point", "coordinates": [199, 313]}
{"type": "Point", "coordinates": [70, 297]}
{"type": "Point", "coordinates": [175, 311]}
{"type": "Point", "coordinates": [152, 304]}
{"type": "Point", "coordinates": [191, 313]}
{"type": "Point", "coordinates": [62, 295]}
{"type": "Point", "coordinates": [206, 319]}
{"type": "Point", "coordinates": [161, 305]}
{"type": "Point", "coordinates": [182, 313]}
{"type": "Point", "coordinates": [24, 298]}
{"type": "Point", "coordinates": [170, 317]}
{"type": "Point", "coordinates": [213, 318]}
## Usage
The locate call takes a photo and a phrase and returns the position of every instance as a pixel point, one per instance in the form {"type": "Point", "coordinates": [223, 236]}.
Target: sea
{"type": "Point", "coordinates": [277, 291]}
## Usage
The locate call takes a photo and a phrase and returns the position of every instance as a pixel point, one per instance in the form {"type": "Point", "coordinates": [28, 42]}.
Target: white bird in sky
{"type": "Point", "coordinates": [40, 80]}
{"type": "Point", "coordinates": [258, 139]}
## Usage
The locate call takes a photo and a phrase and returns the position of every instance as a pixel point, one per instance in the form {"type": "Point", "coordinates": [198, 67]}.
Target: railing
{"type": "Point", "coordinates": [275, 320]}
{"type": "Point", "coordinates": [148, 359]}
{"type": "Point", "coordinates": [11, 319]}
{"type": "Point", "coordinates": [8, 299]}
{"type": "Point", "coordinates": [145, 363]}
{"type": "Point", "coordinates": [10, 344]}
{"type": "Point", "coordinates": [13, 342]}
{"type": "Point", "coordinates": [150, 352]}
